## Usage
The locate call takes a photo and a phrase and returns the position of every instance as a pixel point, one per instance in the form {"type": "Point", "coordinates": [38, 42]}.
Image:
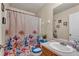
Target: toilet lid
{"type": "Point", "coordinates": [36, 50]}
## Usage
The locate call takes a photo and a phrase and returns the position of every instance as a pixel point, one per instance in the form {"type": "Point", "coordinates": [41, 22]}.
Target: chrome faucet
{"type": "Point", "coordinates": [76, 42]}
{"type": "Point", "coordinates": [76, 46]}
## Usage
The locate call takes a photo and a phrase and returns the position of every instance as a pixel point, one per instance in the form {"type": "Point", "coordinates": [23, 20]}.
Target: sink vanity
{"type": "Point", "coordinates": [56, 49]}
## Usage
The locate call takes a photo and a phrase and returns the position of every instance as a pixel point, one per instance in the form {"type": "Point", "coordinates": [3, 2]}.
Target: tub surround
{"type": "Point", "coordinates": [55, 52]}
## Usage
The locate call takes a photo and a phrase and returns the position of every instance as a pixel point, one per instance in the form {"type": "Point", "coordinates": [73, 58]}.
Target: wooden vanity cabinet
{"type": "Point", "coordinates": [47, 52]}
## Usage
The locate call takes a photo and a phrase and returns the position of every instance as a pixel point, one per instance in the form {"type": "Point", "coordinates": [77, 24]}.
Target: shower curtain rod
{"type": "Point", "coordinates": [21, 12]}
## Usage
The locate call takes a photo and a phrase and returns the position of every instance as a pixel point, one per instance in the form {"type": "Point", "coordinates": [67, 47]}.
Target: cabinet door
{"type": "Point", "coordinates": [47, 52]}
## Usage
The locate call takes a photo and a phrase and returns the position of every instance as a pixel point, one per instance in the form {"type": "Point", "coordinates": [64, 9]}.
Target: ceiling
{"type": "Point", "coordinates": [64, 7]}
{"type": "Point", "coordinates": [31, 7]}
{"type": "Point", "coordinates": [35, 7]}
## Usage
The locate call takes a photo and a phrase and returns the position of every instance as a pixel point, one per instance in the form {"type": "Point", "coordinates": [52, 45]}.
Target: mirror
{"type": "Point", "coordinates": [61, 19]}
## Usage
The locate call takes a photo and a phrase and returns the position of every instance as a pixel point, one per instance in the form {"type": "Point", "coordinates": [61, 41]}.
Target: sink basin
{"type": "Point", "coordinates": [59, 47]}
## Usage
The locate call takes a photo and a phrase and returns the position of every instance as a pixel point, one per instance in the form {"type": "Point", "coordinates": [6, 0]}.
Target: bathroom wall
{"type": "Point", "coordinates": [2, 28]}
{"type": "Point", "coordinates": [3, 25]}
{"type": "Point", "coordinates": [46, 15]}
{"type": "Point", "coordinates": [0, 24]}
{"type": "Point", "coordinates": [63, 31]}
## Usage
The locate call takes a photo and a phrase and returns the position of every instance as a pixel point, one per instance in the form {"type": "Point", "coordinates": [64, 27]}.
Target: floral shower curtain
{"type": "Point", "coordinates": [18, 25]}
{"type": "Point", "coordinates": [19, 22]}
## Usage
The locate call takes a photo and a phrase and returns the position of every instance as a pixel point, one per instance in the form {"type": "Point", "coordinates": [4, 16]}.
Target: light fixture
{"type": "Point", "coordinates": [48, 21]}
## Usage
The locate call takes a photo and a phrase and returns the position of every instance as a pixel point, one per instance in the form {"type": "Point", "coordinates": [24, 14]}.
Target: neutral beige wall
{"type": "Point", "coordinates": [63, 31]}
{"type": "Point", "coordinates": [2, 29]}
{"type": "Point", "coordinates": [46, 15]}
{"type": "Point", "coordinates": [0, 25]}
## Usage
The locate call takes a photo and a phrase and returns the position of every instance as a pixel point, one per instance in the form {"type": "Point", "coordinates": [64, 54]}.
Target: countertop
{"type": "Point", "coordinates": [74, 53]}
